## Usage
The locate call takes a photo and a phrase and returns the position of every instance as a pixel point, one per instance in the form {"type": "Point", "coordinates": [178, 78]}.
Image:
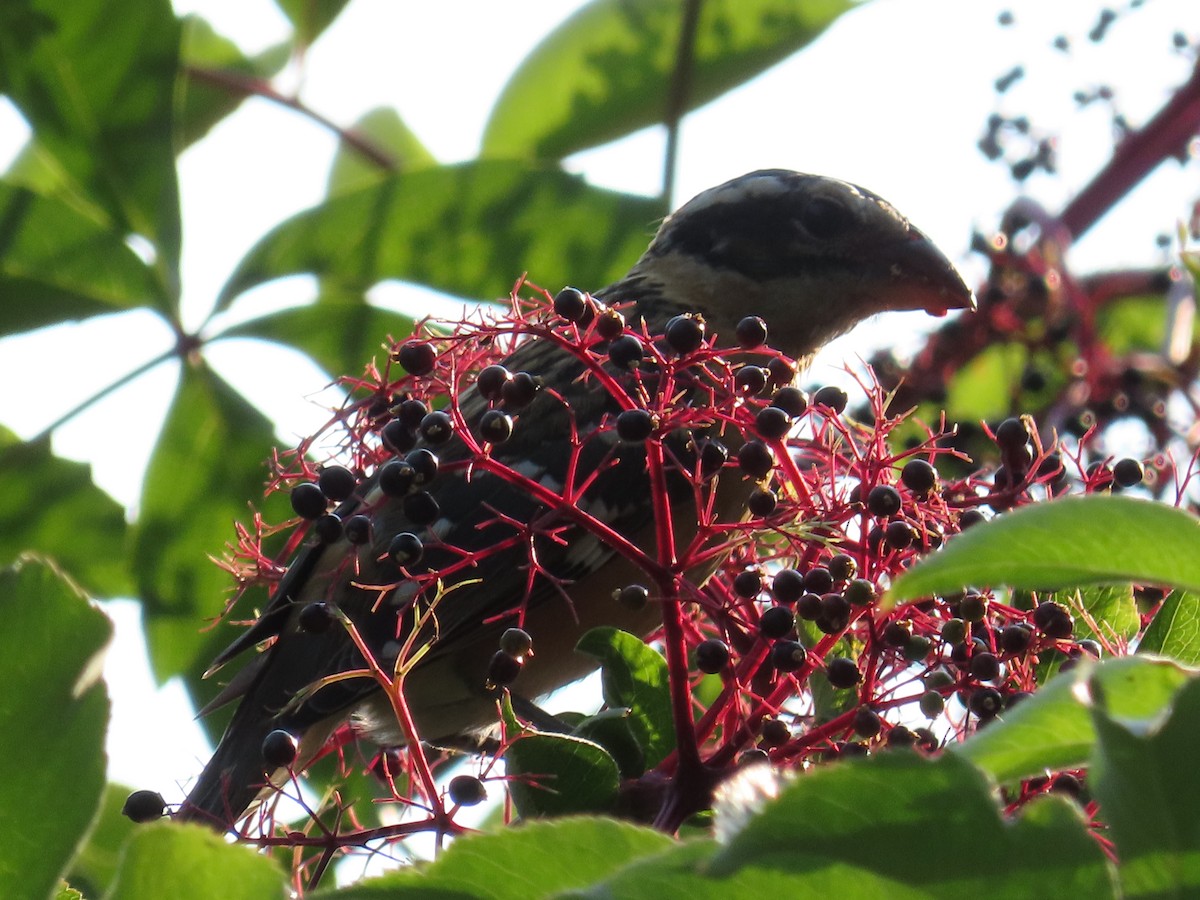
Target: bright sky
{"type": "Point", "coordinates": [894, 97]}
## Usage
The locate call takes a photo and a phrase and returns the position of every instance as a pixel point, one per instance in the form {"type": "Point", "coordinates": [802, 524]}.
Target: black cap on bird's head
{"type": "Point", "coordinates": [812, 255]}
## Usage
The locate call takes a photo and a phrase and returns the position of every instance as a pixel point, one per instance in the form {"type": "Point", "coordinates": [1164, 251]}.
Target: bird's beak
{"type": "Point", "coordinates": [923, 278]}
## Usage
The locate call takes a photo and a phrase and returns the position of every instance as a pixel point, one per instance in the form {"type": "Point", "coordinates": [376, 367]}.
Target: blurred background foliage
{"type": "Point", "coordinates": [90, 225]}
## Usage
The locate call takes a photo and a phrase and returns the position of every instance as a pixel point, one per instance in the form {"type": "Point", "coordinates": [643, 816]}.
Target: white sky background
{"type": "Point", "coordinates": [893, 97]}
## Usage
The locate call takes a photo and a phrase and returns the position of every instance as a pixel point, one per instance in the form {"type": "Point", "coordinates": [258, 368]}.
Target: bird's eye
{"type": "Point", "coordinates": [825, 219]}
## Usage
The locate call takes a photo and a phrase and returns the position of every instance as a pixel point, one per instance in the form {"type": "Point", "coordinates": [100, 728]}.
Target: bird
{"type": "Point", "coordinates": [810, 255]}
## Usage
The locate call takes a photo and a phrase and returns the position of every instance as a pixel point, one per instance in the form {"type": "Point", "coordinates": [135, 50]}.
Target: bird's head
{"type": "Point", "coordinates": [812, 255]}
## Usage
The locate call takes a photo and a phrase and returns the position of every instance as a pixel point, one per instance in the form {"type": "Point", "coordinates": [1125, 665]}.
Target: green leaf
{"type": "Point", "coordinates": [1110, 608]}
{"type": "Point", "coordinates": [1054, 728]}
{"type": "Point", "coordinates": [96, 865]}
{"type": "Point", "coordinates": [1134, 323]}
{"type": "Point", "coordinates": [168, 859]}
{"type": "Point", "coordinates": [213, 68]}
{"type": "Point", "coordinates": [58, 264]}
{"type": "Point", "coordinates": [634, 676]}
{"type": "Point", "coordinates": [52, 507]}
{"type": "Point", "coordinates": [310, 17]}
{"type": "Point", "coordinates": [1061, 543]}
{"type": "Point", "coordinates": [933, 825]}
{"type": "Point", "coordinates": [53, 714]}
{"type": "Point", "coordinates": [1143, 779]}
{"type": "Point", "coordinates": [612, 729]}
{"type": "Point", "coordinates": [540, 859]}
{"type": "Point", "coordinates": [984, 387]}
{"type": "Point", "coordinates": [207, 467]}
{"type": "Point", "coordinates": [557, 775]}
{"type": "Point", "coordinates": [607, 70]}
{"type": "Point", "coordinates": [341, 331]}
{"type": "Point", "coordinates": [387, 132]}
{"type": "Point", "coordinates": [1175, 629]}
{"type": "Point", "coordinates": [469, 229]}
{"type": "Point", "coordinates": [95, 78]}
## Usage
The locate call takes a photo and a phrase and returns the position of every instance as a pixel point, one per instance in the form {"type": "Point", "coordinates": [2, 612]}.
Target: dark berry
{"type": "Point", "coordinates": [279, 749]}
{"type": "Point", "coordinates": [866, 722]}
{"type": "Point", "coordinates": [750, 380]}
{"type": "Point", "coordinates": [633, 596]}
{"type": "Point", "coordinates": [787, 586]}
{"type": "Point", "coordinates": [832, 397]}
{"type": "Point", "coordinates": [518, 392]}
{"type": "Point", "coordinates": [610, 324]}
{"type": "Point", "coordinates": [860, 592]}
{"type": "Point", "coordinates": [315, 618]}
{"type": "Point", "coordinates": [436, 428]}
{"type": "Point", "coordinates": [775, 732]}
{"type": "Point", "coordinates": [970, 517]}
{"type": "Point", "coordinates": [626, 352]}
{"type": "Point", "coordinates": [756, 459]}
{"type": "Point", "coordinates": [571, 304]}
{"type": "Point", "coordinates": [883, 500]}
{"type": "Point", "coordinates": [748, 584]}
{"type": "Point", "coordinates": [308, 501]}
{"type": "Point", "coordinates": [985, 666]}
{"type": "Point", "coordinates": [1053, 620]}
{"type": "Point", "coordinates": [516, 642]}
{"type": "Point", "coordinates": [1091, 648]}
{"type": "Point", "coordinates": [791, 400]}
{"type": "Point", "coordinates": [781, 371]}
{"type": "Point", "coordinates": [328, 528]}
{"type": "Point", "coordinates": [713, 456]}
{"type": "Point", "coordinates": [685, 333]}
{"type": "Point", "coordinates": [842, 672]}
{"type": "Point", "coordinates": [396, 477]}
{"type": "Point", "coordinates": [896, 634]}
{"type": "Point", "coordinates": [901, 736]}
{"type": "Point", "coordinates": [931, 704]}
{"type": "Point", "coordinates": [751, 332]}
{"type": "Point", "coordinates": [466, 790]}
{"type": "Point", "coordinates": [357, 529]}
{"type": "Point", "coordinates": [808, 607]}
{"type": "Point", "coordinates": [818, 580]}
{"type": "Point", "coordinates": [411, 412]}
{"type": "Point", "coordinates": [503, 669]}
{"type": "Point", "coordinates": [712, 656]}
{"type": "Point", "coordinates": [1011, 434]}
{"type": "Point", "coordinates": [753, 757]}
{"type": "Point", "coordinates": [899, 535]}
{"type": "Point", "coordinates": [424, 464]}
{"type": "Point", "coordinates": [491, 381]}
{"type": "Point", "coordinates": [842, 567]}
{"type": "Point", "coordinates": [635, 425]}
{"type": "Point", "coordinates": [772, 422]}
{"type": "Point", "coordinates": [336, 482]}
{"type": "Point", "coordinates": [495, 426]}
{"type": "Point", "coordinates": [421, 508]}
{"type": "Point", "coordinates": [144, 806]}
{"type": "Point", "coordinates": [954, 631]}
{"type": "Point", "coordinates": [1016, 638]}
{"type": "Point", "coordinates": [1066, 783]}
{"type": "Point", "coordinates": [406, 549]}
{"type": "Point", "coordinates": [985, 703]}
{"type": "Point", "coordinates": [398, 437]}
{"type": "Point", "coordinates": [762, 502]}
{"type": "Point", "coordinates": [788, 656]}
{"type": "Point", "coordinates": [918, 476]}
{"type": "Point", "coordinates": [1128, 472]}
{"type": "Point", "coordinates": [973, 607]}
{"type": "Point", "coordinates": [417, 357]}
{"type": "Point", "coordinates": [776, 621]}
{"type": "Point", "coordinates": [918, 648]}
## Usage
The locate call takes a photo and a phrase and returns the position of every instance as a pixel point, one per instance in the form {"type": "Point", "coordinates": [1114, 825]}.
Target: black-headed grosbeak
{"type": "Point", "coordinates": [811, 256]}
